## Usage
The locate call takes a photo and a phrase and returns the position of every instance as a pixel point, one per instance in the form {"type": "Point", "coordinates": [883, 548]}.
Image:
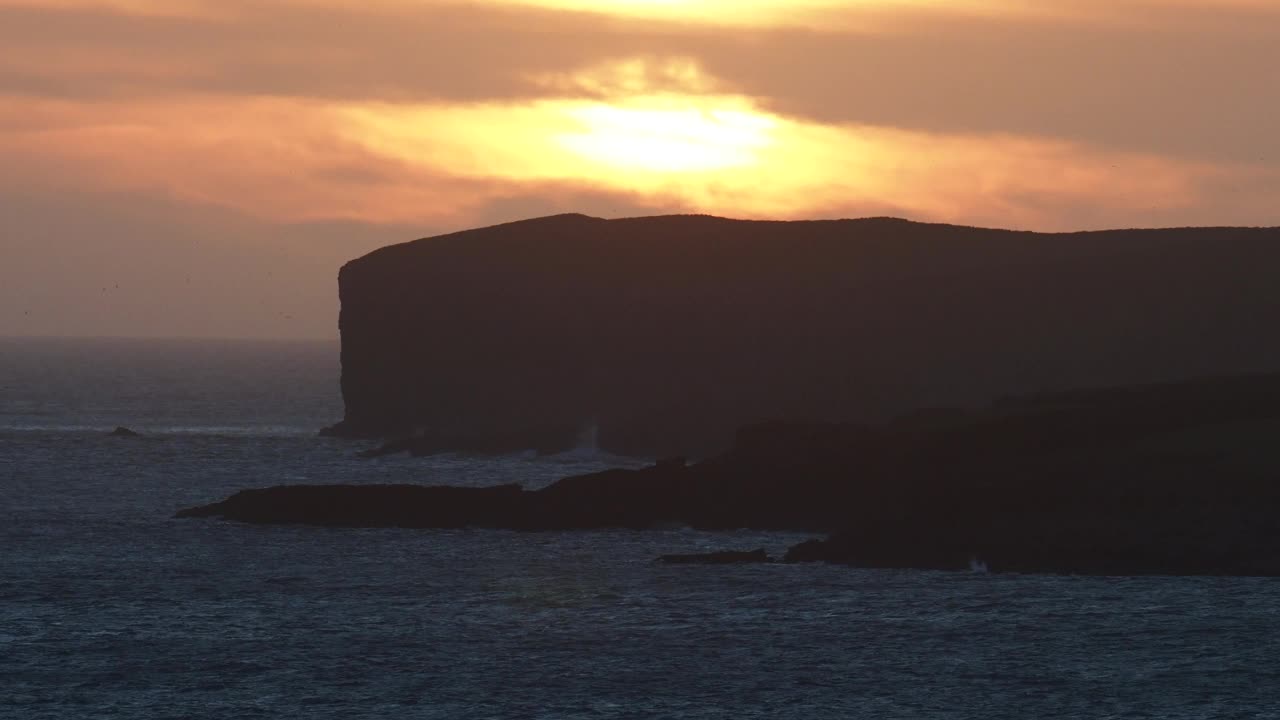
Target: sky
{"type": "Point", "coordinates": [204, 167]}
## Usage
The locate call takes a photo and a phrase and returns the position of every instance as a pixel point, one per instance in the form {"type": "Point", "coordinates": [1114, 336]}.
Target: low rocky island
{"type": "Point", "coordinates": [1178, 478]}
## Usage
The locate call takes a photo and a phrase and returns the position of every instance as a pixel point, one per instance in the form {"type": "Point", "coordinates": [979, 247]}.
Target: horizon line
{"type": "Point", "coordinates": [181, 338]}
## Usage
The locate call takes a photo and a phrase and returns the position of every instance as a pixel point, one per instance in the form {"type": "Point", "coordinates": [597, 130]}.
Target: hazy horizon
{"type": "Point", "coordinates": [202, 169]}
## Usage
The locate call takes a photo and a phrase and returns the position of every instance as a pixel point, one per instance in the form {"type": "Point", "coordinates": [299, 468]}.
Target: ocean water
{"type": "Point", "coordinates": [111, 608]}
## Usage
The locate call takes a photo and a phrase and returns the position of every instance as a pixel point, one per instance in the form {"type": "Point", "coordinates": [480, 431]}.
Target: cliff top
{"type": "Point", "coordinates": [658, 232]}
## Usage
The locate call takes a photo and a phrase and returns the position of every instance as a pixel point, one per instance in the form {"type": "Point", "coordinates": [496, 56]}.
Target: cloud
{"type": "Point", "coordinates": [384, 51]}
{"type": "Point", "coordinates": [627, 77]}
{"type": "Point", "coordinates": [1192, 86]}
{"type": "Point", "coordinates": [292, 160]}
{"type": "Point", "coordinates": [1178, 78]}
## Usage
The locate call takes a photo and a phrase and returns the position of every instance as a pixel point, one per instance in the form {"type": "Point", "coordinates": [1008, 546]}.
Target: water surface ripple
{"type": "Point", "coordinates": [110, 608]}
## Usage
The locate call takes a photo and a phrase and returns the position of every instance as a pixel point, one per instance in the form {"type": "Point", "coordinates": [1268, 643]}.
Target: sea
{"type": "Point", "coordinates": [111, 608]}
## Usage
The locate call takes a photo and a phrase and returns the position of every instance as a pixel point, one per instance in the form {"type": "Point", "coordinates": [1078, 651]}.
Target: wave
{"type": "Point", "coordinates": [586, 451]}
{"type": "Point", "coordinates": [580, 455]}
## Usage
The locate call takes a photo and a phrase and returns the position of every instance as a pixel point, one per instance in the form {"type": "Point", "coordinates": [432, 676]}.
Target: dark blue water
{"type": "Point", "coordinates": [110, 608]}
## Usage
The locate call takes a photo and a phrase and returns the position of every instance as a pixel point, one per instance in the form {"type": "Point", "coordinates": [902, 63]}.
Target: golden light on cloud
{"type": "Point", "coordinates": [723, 155]}
{"type": "Point", "coordinates": [663, 130]}
{"type": "Point", "coordinates": [654, 138]}
{"type": "Point", "coordinates": [658, 131]}
{"type": "Point", "coordinates": [149, 8]}
{"type": "Point", "coordinates": [628, 77]}
{"type": "Point", "coordinates": [815, 14]}
{"type": "Point", "coordinates": [721, 11]}
{"type": "Point", "coordinates": [730, 12]}
{"type": "Point", "coordinates": [658, 115]}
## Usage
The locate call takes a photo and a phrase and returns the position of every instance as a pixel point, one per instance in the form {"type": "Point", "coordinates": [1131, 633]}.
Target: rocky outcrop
{"type": "Point", "coordinates": [407, 506]}
{"type": "Point", "coordinates": [1178, 478]}
{"type": "Point", "coordinates": [635, 499]}
{"type": "Point", "coordinates": [668, 333]}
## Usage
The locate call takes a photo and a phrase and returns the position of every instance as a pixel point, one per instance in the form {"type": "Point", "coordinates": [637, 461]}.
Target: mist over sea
{"type": "Point", "coordinates": [111, 608]}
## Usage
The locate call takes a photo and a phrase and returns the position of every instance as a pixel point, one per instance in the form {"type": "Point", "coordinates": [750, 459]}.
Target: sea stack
{"type": "Point", "coordinates": [667, 333]}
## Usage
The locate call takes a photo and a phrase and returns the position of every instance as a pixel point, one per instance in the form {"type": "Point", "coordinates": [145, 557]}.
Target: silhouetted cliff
{"type": "Point", "coordinates": [669, 332]}
{"type": "Point", "coordinates": [1174, 478]}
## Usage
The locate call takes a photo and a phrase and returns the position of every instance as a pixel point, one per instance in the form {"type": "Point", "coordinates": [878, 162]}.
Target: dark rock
{"type": "Point", "coordinates": [636, 499]}
{"type": "Point", "coordinates": [408, 506]}
{"type": "Point", "coordinates": [1240, 541]}
{"type": "Point", "coordinates": [726, 557]}
{"type": "Point", "coordinates": [670, 332]}
{"type": "Point", "coordinates": [1176, 478]}
{"type": "Point", "coordinates": [122, 431]}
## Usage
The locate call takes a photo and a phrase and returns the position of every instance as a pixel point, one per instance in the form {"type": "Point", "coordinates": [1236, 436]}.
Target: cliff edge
{"type": "Point", "coordinates": [667, 333]}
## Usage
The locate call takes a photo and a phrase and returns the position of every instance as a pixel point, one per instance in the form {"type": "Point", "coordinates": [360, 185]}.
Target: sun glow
{"type": "Point", "coordinates": [643, 141]}
{"type": "Point", "coordinates": [649, 133]}
{"type": "Point", "coordinates": [724, 155]}
{"type": "Point", "coordinates": [651, 137]}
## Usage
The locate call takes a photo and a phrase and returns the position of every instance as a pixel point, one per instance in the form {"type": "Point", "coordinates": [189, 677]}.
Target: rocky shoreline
{"type": "Point", "coordinates": [1162, 479]}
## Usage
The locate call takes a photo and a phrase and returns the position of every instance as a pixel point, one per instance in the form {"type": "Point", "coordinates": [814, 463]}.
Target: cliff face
{"type": "Point", "coordinates": [667, 333]}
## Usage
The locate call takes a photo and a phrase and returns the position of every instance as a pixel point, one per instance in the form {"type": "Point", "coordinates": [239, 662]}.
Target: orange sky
{"type": "Point", "coordinates": [201, 167]}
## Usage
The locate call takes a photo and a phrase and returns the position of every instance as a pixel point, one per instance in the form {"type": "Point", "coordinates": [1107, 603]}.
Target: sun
{"type": "Point", "coordinates": [668, 136]}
